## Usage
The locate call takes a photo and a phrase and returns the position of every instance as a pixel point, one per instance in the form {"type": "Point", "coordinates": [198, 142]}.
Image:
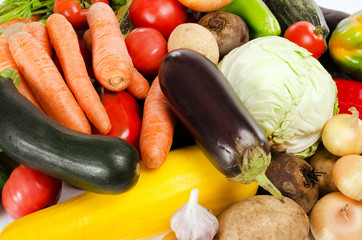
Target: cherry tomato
{"type": "Point", "coordinates": [163, 15]}
{"type": "Point", "coordinates": [75, 11]}
{"type": "Point", "coordinates": [27, 191]}
{"type": "Point", "coordinates": [306, 35]}
{"type": "Point", "coordinates": [147, 48]}
{"type": "Point", "coordinates": [124, 113]}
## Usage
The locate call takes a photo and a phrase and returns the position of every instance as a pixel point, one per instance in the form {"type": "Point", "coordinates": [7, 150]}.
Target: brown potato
{"type": "Point", "coordinates": [263, 217]}
{"type": "Point", "coordinates": [195, 37]}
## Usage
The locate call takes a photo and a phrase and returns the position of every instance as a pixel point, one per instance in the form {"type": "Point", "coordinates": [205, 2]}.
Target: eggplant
{"type": "Point", "coordinates": [333, 17]}
{"type": "Point", "coordinates": [204, 101]}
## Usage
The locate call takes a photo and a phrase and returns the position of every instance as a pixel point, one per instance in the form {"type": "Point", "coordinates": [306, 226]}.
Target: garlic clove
{"type": "Point", "coordinates": [193, 221]}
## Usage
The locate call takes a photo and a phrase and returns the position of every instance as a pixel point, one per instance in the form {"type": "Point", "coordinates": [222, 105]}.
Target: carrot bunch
{"type": "Point", "coordinates": [158, 121]}
{"type": "Point", "coordinates": [67, 94]}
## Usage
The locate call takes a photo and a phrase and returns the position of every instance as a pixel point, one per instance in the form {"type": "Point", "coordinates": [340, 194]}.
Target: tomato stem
{"type": "Point", "coordinates": [84, 4]}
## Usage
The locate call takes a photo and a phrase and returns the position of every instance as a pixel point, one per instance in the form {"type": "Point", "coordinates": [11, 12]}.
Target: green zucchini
{"type": "Point", "coordinates": [96, 163]}
{"type": "Point", "coordinates": [288, 12]}
{"type": "Point", "coordinates": [5, 171]}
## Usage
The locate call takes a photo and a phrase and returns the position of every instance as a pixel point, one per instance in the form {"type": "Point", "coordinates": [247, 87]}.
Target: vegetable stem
{"type": "Point", "coordinates": [254, 164]}
{"type": "Point", "coordinates": [354, 119]}
{"type": "Point", "coordinates": [11, 9]}
{"type": "Point", "coordinates": [344, 211]}
{"type": "Point", "coordinates": [194, 196]}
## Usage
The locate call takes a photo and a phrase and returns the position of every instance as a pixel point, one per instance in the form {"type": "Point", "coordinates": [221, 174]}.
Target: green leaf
{"type": "Point", "coordinates": [11, 9]}
{"type": "Point", "coordinates": [116, 4]}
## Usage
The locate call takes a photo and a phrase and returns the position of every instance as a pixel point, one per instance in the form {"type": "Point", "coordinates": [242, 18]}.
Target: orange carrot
{"type": "Point", "coordinates": [46, 82]}
{"type": "Point", "coordinates": [13, 28]}
{"type": "Point", "coordinates": [205, 5]}
{"type": "Point", "coordinates": [66, 45]}
{"type": "Point", "coordinates": [112, 65]}
{"type": "Point", "coordinates": [158, 126]}
{"type": "Point", "coordinates": [40, 32]}
{"type": "Point", "coordinates": [17, 20]}
{"type": "Point", "coordinates": [87, 40]}
{"type": "Point", "coordinates": [7, 61]}
{"type": "Point", "coordinates": [139, 85]}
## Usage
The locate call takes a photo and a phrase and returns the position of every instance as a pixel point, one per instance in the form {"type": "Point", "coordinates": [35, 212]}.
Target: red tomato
{"type": "Point", "coordinates": [74, 11]}
{"type": "Point", "coordinates": [28, 191]}
{"type": "Point", "coordinates": [306, 35]}
{"type": "Point", "coordinates": [163, 15]}
{"type": "Point", "coordinates": [124, 113]}
{"type": "Point", "coordinates": [147, 48]}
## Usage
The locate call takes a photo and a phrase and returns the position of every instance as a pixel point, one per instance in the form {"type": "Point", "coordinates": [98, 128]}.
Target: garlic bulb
{"type": "Point", "coordinates": [194, 222]}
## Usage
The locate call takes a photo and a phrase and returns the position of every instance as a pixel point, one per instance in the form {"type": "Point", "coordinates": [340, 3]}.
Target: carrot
{"type": "Point", "coordinates": [112, 65]}
{"type": "Point", "coordinates": [13, 28]}
{"type": "Point", "coordinates": [158, 126]}
{"type": "Point", "coordinates": [139, 85]}
{"type": "Point", "coordinates": [87, 40]}
{"type": "Point", "coordinates": [22, 20]}
{"type": "Point", "coordinates": [205, 5]}
{"type": "Point", "coordinates": [7, 61]}
{"type": "Point", "coordinates": [66, 46]}
{"type": "Point", "coordinates": [40, 32]}
{"type": "Point", "coordinates": [46, 82]}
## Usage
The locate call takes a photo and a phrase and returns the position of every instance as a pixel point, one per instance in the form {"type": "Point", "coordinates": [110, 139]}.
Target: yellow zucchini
{"type": "Point", "coordinates": [140, 213]}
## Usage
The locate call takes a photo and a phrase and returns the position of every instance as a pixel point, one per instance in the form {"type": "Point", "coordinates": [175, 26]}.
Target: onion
{"type": "Point", "coordinates": [335, 216]}
{"type": "Point", "coordinates": [342, 134]}
{"type": "Point", "coordinates": [347, 176]}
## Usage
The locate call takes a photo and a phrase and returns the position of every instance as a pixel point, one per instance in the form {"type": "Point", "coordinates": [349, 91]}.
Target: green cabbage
{"type": "Point", "coordinates": [289, 92]}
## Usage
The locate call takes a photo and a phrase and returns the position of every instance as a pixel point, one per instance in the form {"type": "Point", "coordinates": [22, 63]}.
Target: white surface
{"type": "Point", "coordinates": [349, 6]}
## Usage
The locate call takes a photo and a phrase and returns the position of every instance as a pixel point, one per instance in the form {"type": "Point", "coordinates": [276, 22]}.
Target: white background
{"type": "Point", "coordinates": [349, 6]}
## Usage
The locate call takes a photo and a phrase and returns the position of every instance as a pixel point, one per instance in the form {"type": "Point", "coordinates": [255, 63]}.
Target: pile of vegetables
{"type": "Point", "coordinates": [180, 119]}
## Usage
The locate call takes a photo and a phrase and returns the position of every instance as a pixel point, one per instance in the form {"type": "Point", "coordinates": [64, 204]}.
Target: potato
{"type": "Point", "coordinates": [323, 161]}
{"type": "Point", "coordinates": [195, 37]}
{"type": "Point", "coordinates": [263, 217]}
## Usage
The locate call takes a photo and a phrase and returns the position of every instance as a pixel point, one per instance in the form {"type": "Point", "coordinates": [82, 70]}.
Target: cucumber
{"type": "Point", "coordinates": [96, 163]}
{"type": "Point", "coordinates": [288, 12]}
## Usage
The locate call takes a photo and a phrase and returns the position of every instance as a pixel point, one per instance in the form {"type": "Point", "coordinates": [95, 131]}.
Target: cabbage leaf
{"type": "Point", "coordinates": [289, 93]}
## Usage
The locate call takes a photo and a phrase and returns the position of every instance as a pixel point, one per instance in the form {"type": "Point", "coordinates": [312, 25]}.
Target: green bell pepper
{"type": "Point", "coordinates": [345, 45]}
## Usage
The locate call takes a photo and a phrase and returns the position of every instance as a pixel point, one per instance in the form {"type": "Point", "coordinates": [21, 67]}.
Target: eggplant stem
{"type": "Point", "coordinates": [265, 183]}
{"type": "Point", "coordinates": [254, 165]}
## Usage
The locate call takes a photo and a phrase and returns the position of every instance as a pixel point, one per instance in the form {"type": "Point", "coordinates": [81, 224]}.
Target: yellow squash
{"type": "Point", "coordinates": [140, 213]}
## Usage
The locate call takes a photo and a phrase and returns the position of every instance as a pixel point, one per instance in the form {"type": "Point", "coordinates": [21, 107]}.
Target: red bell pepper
{"type": "Point", "coordinates": [124, 113]}
{"type": "Point", "coordinates": [349, 95]}
{"type": "Point", "coordinates": [75, 11]}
